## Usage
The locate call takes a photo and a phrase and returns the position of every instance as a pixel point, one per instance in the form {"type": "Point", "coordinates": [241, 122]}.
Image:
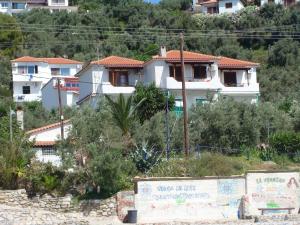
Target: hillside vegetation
{"type": "Point", "coordinates": [108, 146]}
{"type": "Point", "coordinates": [136, 29]}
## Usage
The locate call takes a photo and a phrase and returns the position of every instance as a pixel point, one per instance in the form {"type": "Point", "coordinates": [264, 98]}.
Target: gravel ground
{"type": "Point", "coordinates": [33, 216]}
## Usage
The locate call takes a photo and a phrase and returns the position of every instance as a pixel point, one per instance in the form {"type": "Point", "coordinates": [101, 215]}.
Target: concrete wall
{"type": "Point", "coordinates": [181, 199]}
{"type": "Point", "coordinates": [159, 200]}
{"type": "Point", "coordinates": [273, 190]}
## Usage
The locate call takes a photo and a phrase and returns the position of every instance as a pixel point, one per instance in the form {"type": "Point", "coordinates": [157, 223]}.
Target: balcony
{"type": "Point", "coordinates": [244, 88]}
{"type": "Point", "coordinates": [173, 84]}
{"type": "Point", "coordinates": [27, 97]}
{"type": "Point", "coordinates": [29, 77]}
{"type": "Point", "coordinates": [108, 88]}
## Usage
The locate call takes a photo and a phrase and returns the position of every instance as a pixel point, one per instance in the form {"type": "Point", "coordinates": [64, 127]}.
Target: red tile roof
{"type": "Point", "coordinates": [119, 62]}
{"type": "Point", "coordinates": [43, 143]}
{"type": "Point", "coordinates": [174, 56]}
{"type": "Point", "coordinates": [208, 2]}
{"type": "Point", "coordinates": [225, 62]}
{"type": "Point", "coordinates": [50, 126]}
{"type": "Point", "coordinates": [46, 60]}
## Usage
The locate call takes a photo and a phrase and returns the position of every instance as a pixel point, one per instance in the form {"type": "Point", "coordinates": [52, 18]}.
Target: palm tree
{"type": "Point", "coordinates": [124, 113]}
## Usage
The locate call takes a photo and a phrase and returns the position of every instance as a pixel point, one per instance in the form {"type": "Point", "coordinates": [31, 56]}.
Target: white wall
{"type": "Point", "coordinates": [53, 159]}
{"type": "Point", "coordinates": [236, 6]}
{"type": "Point", "coordinates": [35, 91]}
{"type": "Point", "coordinates": [188, 200]}
{"type": "Point", "coordinates": [50, 97]}
{"type": "Point", "coordinates": [4, 9]}
{"type": "Point", "coordinates": [52, 134]}
{"type": "Point", "coordinates": [192, 95]}
{"type": "Point", "coordinates": [36, 81]}
{"type": "Point", "coordinates": [54, 3]}
{"type": "Point", "coordinates": [85, 83]}
{"type": "Point", "coordinates": [273, 190]}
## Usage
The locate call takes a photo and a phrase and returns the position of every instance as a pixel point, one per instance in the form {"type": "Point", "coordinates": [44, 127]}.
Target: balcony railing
{"type": "Point", "coordinates": [27, 97]}
{"type": "Point", "coordinates": [193, 84]}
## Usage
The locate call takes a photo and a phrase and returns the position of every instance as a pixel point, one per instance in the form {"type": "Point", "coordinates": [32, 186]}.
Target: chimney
{"type": "Point", "coordinates": [20, 117]}
{"type": "Point", "coordinates": [163, 51]}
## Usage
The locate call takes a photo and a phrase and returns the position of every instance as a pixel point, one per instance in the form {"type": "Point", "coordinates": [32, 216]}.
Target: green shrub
{"type": "Point", "coordinates": [286, 143]}
{"type": "Point", "coordinates": [215, 164]}
{"type": "Point", "coordinates": [145, 157]}
{"type": "Point", "coordinates": [209, 164]}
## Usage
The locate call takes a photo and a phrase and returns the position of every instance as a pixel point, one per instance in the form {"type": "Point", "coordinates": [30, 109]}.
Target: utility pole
{"type": "Point", "coordinates": [167, 126]}
{"type": "Point", "coordinates": [60, 110]}
{"type": "Point", "coordinates": [185, 115]}
{"type": "Point", "coordinates": [10, 125]}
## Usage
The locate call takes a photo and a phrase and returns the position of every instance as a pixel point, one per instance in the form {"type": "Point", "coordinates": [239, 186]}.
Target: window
{"type": "Point", "coordinates": [28, 69]}
{"type": "Point", "coordinates": [74, 85]}
{"type": "Point", "coordinates": [65, 71]}
{"type": "Point", "coordinates": [68, 84]}
{"type": "Point", "coordinates": [26, 90]}
{"type": "Point", "coordinates": [58, 2]}
{"type": "Point", "coordinates": [48, 151]}
{"type": "Point", "coordinates": [118, 78]}
{"type": "Point", "coordinates": [18, 5]}
{"type": "Point", "coordinates": [55, 71]}
{"type": "Point", "coordinates": [178, 109]}
{"type": "Point", "coordinates": [175, 71]}
{"type": "Point", "coordinates": [22, 69]}
{"type": "Point", "coordinates": [32, 69]}
{"type": "Point", "coordinates": [4, 5]}
{"type": "Point", "coordinates": [200, 72]}
{"type": "Point", "coordinates": [230, 79]}
{"type": "Point", "coordinates": [60, 71]}
{"type": "Point", "coordinates": [212, 10]}
{"type": "Point", "coordinates": [228, 5]}
{"type": "Point", "coordinates": [201, 101]}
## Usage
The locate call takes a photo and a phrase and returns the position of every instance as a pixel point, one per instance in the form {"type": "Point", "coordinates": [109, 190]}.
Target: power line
{"type": "Point", "coordinates": [110, 28]}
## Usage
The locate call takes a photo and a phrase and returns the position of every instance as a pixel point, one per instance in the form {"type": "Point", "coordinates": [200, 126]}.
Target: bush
{"type": "Point", "coordinates": [286, 143]}
{"type": "Point", "coordinates": [209, 164]}
{"type": "Point", "coordinates": [145, 157]}
{"type": "Point", "coordinates": [110, 171]}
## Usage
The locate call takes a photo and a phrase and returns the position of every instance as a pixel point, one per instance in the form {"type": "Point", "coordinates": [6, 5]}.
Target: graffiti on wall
{"type": "Point", "coordinates": [189, 199]}
{"type": "Point", "coordinates": [273, 191]}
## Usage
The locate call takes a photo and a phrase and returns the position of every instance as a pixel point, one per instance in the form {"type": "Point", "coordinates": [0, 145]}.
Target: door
{"type": "Point", "coordinates": [230, 79]}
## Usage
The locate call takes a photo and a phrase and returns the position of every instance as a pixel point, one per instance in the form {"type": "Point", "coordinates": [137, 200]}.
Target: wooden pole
{"type": "Point", "coordinates": [185, 115]}
{"type": "Point", "coordinates": [60, 111]}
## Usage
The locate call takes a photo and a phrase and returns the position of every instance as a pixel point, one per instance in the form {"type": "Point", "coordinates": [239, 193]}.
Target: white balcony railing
{"type": "Point", "coordinates": [30, 77]}
{"type": "Point", "coordinates": [213, 84]}
{"type": "Point", "coordinates": [107, 88]}
{"type": "Point", "coordinates": [171, 83]}
{"type": "Point", "coordinates": [27, 97]}
{"type": "Point", "coordinates": [252, 88]}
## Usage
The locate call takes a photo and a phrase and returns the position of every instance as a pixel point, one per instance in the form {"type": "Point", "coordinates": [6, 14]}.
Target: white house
{"type": "Point", "coordinates": [45, 138]}
{"type": "Point", "coordinates": [286, 3]}
{"type": "Point", "coordinates": [69, 92]}
{"type": "Point", "coordinates": [16, 6]}
{"type": "Point", "coordinates": [111, 75]}
{"type": "Point", "coordinates": [218, 6]}
{"type": "Point", "coordinates": [31, 74]}
{"type": "Point", "coordinates": [52, 5]}
{"type": "Point", "coordinates": [13, 6]}
{"type": "Point", "coordinates": [206, 77]}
